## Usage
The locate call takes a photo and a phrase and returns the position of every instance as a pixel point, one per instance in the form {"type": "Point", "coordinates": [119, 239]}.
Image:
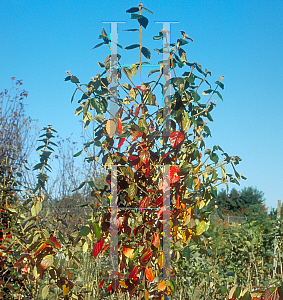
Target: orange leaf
{"type": "Point", "coordinates": [55, 242]}
{"type": "Point", "coordinates": [172, 174]}
{"type": "Point", "coordinates": [155, 240]}
{"type": "Point", "coordinates": [135, 135]}
{"type": "Point", "coordinates": [41, 247]}
{"type": "Point", "coordinates": [120, 127]}
{"type": "Point", "coordinates": [105, 247]}
{"type": "Point", "coordinates": [137, 110]}
{"type": "Point", "coordinates": [149, 274]}
{"type": "Point", "coordinates": [68, 273]}
{"type": "Point", "coordinates": [176, 137]}
{"type": "Point", "coordinates": [161, 286]}
{"type": "Point", "coordinates": [123, 284]}
{"type": "Point", "coordinates": [197, 184]}
{"type": "Point", "coordinates": [97, 247]}
{"type": "Point", "coordinates": [128, 252]}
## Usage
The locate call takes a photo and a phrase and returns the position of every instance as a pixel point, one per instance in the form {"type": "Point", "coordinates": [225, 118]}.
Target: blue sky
{"type": "Point", "coordinates": [242, 40]}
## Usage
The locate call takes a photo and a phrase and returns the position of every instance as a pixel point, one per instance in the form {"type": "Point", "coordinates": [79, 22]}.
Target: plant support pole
{"type": "Point", "coordinates": [275, 260]}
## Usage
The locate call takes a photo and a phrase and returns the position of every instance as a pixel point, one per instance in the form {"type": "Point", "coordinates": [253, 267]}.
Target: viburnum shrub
{"type": "Point", "coordinates": [163, 179]}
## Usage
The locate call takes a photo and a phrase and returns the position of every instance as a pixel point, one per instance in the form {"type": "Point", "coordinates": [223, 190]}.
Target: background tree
{"type": "Point", "coordinates": [249, 201]}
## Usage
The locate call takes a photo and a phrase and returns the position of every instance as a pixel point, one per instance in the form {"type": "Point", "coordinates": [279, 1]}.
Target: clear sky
{"type": "Point", "coordinates": [242, 40]}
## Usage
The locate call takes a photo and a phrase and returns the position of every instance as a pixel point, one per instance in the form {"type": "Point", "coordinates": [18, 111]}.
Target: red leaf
{"type": "Point", "coordinates": [144, 156]}
{"type": "Point", "coordinates": [135, 162]}
{"type": "Point", "coordinates": [155, 240]}
{"type": "Point", "coordinates": [151, 127]}
{"type": "Point", "coordinates": [134, 272]}
{"type": "Point", "coordinates": [120, 127]}
{"type": "Point", "coordinates": [165, 155]}
{"type": "Point", "coordinates": [162, 211]}
{"type": "Point", "coordinates": [121, 142]}
{"type": "Point", "coordinates": [137, 110]}
{"type": "Point", "coordinates": [158, 201]}
{"type": "Point", "coordinates": [146, 255]}
{"type": "Point", "coordinates": [149, 274]}
{"type": "Point", "coordinates": [55, 242]}
{"type": "Point", "coordinates": [101, 283]}
{"type": "Point", "coordinates": [172, 174]}
{"type": "Point", "coordinates": [97, 247]}
{"type": "Point", "coordinates": [108, 288]}
{"type": "Point", "coordinates": [133, 291]}
{"type": "Point", "coordinates": [144, 203]}
{"type": "Point", "coordinates": [176, 137]}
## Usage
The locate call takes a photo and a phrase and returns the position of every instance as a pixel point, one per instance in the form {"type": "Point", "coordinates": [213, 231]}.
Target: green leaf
{"type": "Point", "coordinates": [45, 292]}
{"type": "Point", "coordinates": [207, 92]}
{"type": "Point", "coordinates": [80, 186]}
{"type": "Point", "coordinates": [84, 231]}
{"type": "Point", "coordinates": [75, 79]}
{"type": "Point", "coordinates": [97, 230]}
{"type": "Point", "coordinates": [223, 289]}
{"type": "Point", "coordinates": [219, 214]}
{"type": "Point", "coordinates": [132, 10]}
{"type": "Point", "coordinates": [143, 22]}
{"type": "Point", "coordinates": [202, 227]}
{"type": "Point", "coordinates": [82, 204]}
{"type": "Point", "coordinates": [219, 95]}
{"type": "Point", "coordinates": [182, 54]}
{"type": "Point", "coordinates": [133, 191]}
{"type": "Point", "coordinates": [247, 296]}
{"type": "Point", "coordinates": [100, 105]}
{"type": "Point", "coordinates": [187, 252]}
{"type": "Point", "coordinates": [214, 157]}
{"type": "Point", "coordinates": [147, 10]}
{"type": "Point", "coordinates": [153, 71]}
{"type": "Point", "coordinates": [127, 86]}
{"type": "Point", "coordinates": [78, 153]}
{"type": "Point", "coordinates": [133, 46]}
{"type": "Point", "coordinates": [172, 284]}
{"type": "Point", "coordinates": [98, 45]}
{"type": "Point", "coordinates": [78, 110]}
{"type": "Point", "coordinates": [136, 16]}
{"type": "Point", "coordinates": [189, 179]}
{"type": "Point", "coordinates": [207, 130]}
{"type": "Point", "coordinates": [237, 292]}
{"type": "Point", "coordinates": [220, 84]}
{"type": "Point", "coordinates": [72, 99]}
{"type": "Point", "coordinates": [146, 53]}
{"type": "Point", "coordinates": [196, 96]}
{"type": "Point", "coordinates": [187, 123]}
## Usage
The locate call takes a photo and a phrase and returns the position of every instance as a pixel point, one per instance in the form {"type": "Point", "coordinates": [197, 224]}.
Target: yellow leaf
{"type": "Point", "coordinates": [65, 290]}
{"type": "Point", "coordinates": [110, 127]}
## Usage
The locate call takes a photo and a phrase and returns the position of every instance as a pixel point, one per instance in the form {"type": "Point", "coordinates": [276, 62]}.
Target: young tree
{"type": "Point", "coordinates": [153, 148]}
